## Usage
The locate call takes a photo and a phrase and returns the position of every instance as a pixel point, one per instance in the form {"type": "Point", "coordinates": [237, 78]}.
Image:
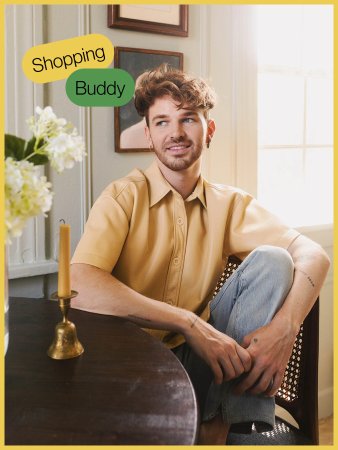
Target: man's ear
{"type": "Point", "coordinates": [147, 133]}
{"type": "Point", "coordinates": [211, 129]}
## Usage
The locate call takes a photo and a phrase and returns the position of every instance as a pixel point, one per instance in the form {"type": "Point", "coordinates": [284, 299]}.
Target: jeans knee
{"type": "Point", "coordinates": [278, 261]}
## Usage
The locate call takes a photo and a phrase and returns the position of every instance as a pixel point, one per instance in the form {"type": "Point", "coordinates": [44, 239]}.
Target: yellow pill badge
{"type": "Point", "coordinates": [57, 60]}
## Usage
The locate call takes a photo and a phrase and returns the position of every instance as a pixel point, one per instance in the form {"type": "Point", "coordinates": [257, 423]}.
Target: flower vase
{"type": "Point", "coordinates": [6, 303]}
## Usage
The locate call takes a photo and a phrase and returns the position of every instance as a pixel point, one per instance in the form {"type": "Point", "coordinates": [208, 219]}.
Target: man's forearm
{"type": "Point", "coordinates": [311, 267]}
{"type": "Point", "coordinates": [102, 293]}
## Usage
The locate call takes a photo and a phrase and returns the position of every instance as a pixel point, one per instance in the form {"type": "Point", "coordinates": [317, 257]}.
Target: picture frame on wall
{"type": "Point", "coordinates": [163, 19]}
{"type": "Point", "coordinates": [128, 125]}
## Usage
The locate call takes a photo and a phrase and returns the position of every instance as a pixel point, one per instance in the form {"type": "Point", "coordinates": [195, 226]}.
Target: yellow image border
{"type": "Point", "coordinates": [3, 4]}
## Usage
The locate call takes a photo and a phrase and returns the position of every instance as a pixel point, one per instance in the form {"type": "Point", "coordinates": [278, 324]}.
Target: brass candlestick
{"type": "Point", "coordinates": [66, 344]}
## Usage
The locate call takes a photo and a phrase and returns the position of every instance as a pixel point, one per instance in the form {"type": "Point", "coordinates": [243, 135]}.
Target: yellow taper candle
{"type": "Point", "coordinates": [64, 261]}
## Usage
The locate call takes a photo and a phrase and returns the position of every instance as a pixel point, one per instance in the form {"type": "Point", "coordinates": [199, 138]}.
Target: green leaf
{"type": "Point", "coordinates": [36, 159]}
{"type": "Point", "coordinates": [14, 147]}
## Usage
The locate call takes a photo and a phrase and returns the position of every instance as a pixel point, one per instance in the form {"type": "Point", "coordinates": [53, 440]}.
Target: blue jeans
{"type": "Point", "coordinates": [248, 300]}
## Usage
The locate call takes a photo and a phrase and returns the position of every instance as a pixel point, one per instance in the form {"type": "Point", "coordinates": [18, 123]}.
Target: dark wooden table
{"type": "Point", "coordinates": [126, 388]}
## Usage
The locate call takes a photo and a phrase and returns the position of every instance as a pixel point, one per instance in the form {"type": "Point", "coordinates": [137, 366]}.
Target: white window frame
{"type": "Point", "coordinates": [236, 144]}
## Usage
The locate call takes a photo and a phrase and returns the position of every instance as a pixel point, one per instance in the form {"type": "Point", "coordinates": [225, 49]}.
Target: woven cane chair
{"type": "Point", "coordinates": [298, 392]}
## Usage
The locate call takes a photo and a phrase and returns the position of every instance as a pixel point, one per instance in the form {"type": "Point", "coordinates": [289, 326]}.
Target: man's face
{"type": "Point", "coordinates": [177, 136]}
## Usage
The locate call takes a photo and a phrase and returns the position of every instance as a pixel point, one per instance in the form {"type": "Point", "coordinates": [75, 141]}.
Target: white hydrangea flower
{"type": "Point", "coordinates": [47, 125]}
{"type": "Point", "coordinates": [27, 194]}
{"type": "Point", "coordinates": [63, 150]}
{"type": "Point", "coordinates": [62, 144]}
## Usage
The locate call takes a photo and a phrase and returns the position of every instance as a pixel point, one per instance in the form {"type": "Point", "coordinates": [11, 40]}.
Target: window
{"type": "Point", "coordinates": [295, 112]}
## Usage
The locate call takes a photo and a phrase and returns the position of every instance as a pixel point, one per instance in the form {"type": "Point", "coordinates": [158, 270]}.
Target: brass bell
{"type": "Point", "coordinates": [65, 344]}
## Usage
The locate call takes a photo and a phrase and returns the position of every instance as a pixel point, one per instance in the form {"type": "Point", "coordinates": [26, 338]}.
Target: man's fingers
{"type": "Point", "coordinates": [229, 371]}
{"type": "Point", "coordinates": [244, 357]}
{"type": "Point", "coordinates": [240, 360]}
{"type": "Point", "coordinates": [272, 391]}
{"type": "Point", "coordinates": [246, 341]}
{"type": "Point", "coordinates": [247, 382]}
{"type": "Point", "coordinates": [237, 365]}
{"type": "Point", "coordinates": [254, 384]}
{"type": "Point", "coordinates": [218, 373]}
{"type": "Point", "coordinates": [263, 384]}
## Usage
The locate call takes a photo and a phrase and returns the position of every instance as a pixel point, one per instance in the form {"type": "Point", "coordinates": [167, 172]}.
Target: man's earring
{"type": "Point", "coordinates": [208, 143]}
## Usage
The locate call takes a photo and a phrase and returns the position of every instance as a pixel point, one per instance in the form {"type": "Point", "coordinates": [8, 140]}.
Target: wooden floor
{"type": "Point", "coordinates": [326, 431]}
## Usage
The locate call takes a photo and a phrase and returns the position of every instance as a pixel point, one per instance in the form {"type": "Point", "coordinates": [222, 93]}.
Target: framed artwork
{"type": "Point", "coordinates": [162, 19]}
{"type": "Point", "coordinates": [128, 125]}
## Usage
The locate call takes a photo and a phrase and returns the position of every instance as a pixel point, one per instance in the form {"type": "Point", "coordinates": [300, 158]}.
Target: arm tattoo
{"type": "Point", "coordinates": [307, 276]}
{"type": "Point", "coordinates": [195, 320]}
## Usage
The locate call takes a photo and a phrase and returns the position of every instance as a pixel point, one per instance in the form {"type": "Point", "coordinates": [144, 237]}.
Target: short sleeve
{"type": "Point", "coordinates": [104, 235]}
{"type": "Point", "coordinates": [251, 225]}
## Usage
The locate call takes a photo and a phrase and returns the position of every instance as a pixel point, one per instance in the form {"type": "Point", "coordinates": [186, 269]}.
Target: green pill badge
{"type": "Point", "coordinates": [100, 87]}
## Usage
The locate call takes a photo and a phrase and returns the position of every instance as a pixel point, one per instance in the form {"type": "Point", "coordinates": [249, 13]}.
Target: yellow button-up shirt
{"type": "Point", "coordinates": [173, 250]}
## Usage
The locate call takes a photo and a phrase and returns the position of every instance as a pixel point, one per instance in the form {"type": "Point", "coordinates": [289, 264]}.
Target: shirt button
{"type": "Point", "coordinates": [176, 261]}
{"type": "Point", "coordinates": [180, 221]}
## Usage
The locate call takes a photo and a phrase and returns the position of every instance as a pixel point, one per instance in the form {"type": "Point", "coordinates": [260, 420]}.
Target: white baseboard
{"type": "Point", "coordinates": [325, 403]}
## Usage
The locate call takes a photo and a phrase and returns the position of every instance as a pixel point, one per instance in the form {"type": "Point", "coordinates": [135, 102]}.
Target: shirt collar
{"type": "Point", "coordinates": [198, 192]}
{"type": "Point", "coordinates": [159, 186]}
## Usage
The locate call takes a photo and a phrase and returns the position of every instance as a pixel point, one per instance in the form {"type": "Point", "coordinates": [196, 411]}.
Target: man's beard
{"type": "Point", "coordinates": [178, 163]}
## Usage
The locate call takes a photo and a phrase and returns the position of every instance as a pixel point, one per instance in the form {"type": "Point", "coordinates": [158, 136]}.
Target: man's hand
{"type": "Point", "coordinates": [226, 358]}
{"type": "Point", "coordinates": [270, 348]}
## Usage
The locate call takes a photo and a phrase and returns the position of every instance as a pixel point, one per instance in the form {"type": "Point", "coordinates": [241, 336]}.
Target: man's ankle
{"type": "Point", "coordinates": [213, 432]}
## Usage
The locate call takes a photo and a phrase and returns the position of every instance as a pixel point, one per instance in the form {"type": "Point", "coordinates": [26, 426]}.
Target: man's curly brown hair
{"type": "Point", "coordinates": [183, 88]}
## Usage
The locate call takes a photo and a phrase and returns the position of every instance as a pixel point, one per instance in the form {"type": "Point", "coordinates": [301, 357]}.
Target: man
{"type": "Point", "coordinates": [157, 241]}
